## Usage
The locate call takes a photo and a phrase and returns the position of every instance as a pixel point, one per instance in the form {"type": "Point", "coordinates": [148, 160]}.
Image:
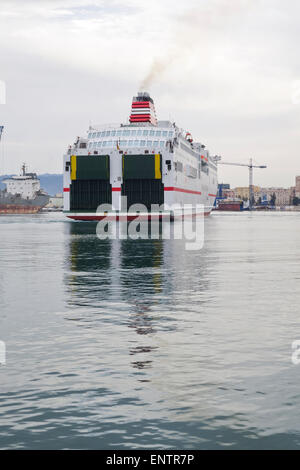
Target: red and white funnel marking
{"type": "Point", "coordinates": [142, 109]}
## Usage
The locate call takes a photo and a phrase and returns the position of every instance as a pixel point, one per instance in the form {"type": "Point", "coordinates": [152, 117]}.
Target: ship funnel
{"type": "Point", "coordinates": [142, 109]}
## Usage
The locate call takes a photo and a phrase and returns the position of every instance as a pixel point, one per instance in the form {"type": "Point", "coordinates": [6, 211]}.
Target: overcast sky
{"type": "Point", "coordinates": [228, 71]}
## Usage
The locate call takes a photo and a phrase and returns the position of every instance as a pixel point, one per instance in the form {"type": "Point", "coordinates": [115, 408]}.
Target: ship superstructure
{"type": "Point", "coordinates": [23, 194]}
{"type": "Point", "coordinates": [151, 162]}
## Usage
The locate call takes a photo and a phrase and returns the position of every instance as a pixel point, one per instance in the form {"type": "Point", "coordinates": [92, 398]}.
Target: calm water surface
{"type": "Point", "coordinates": [141, 344]}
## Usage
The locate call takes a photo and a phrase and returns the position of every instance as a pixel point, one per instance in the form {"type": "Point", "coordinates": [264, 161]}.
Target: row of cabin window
{"type": "Point", "coordinates": [179, 167]}
{"type": "Point", "coordinates": [127, 133]}
{"type": "Point", "coordinates": [128, 143]}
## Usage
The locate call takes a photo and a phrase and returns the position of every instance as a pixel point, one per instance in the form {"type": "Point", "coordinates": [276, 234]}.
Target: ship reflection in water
{"type": "Point", "coordinates": [128, 284]}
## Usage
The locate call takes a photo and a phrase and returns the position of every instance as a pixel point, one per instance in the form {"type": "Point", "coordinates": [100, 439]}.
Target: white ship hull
{"type": "Point", "coordinates": [154, 164]}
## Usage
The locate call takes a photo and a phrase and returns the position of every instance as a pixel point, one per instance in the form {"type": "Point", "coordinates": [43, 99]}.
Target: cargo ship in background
{"type": "Point", "coordinates": [151, 162]}
{"type": "Point", "coordinates": [23, 194]}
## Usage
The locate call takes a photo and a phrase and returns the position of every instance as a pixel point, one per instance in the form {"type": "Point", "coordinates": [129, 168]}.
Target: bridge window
{"type": "Point", "coordinates": [158, 133]}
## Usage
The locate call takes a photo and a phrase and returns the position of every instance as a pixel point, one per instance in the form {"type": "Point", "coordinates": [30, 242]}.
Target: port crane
{"type": "Point", "coordinates": [250, 166]}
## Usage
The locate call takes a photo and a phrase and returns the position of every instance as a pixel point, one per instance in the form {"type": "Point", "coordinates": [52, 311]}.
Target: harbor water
{"type": "Point", "coordinates": [140, 344]}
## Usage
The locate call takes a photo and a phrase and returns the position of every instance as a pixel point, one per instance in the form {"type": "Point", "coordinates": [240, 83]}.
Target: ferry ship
{"type": "Point", "coordinates": [23, 194]}
{"type": "Point", "coordinates": [151, 162]}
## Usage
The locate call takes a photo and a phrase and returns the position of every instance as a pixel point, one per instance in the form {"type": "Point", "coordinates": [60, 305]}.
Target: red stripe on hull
{"type": "Point", "coordinates": [130, 217]}
{"type": "Point", "coordinates": [66, 190]}
{"type": "Point", "coordinates": [181, 190]}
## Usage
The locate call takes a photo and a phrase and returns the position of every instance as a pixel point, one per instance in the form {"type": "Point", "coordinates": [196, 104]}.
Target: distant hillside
{"type": "Point", "coordinates": [51, 183]}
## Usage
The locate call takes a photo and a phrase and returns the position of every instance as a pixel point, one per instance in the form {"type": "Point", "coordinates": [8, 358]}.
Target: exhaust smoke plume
{"type": "Point", "coordinates": [199, 27]}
